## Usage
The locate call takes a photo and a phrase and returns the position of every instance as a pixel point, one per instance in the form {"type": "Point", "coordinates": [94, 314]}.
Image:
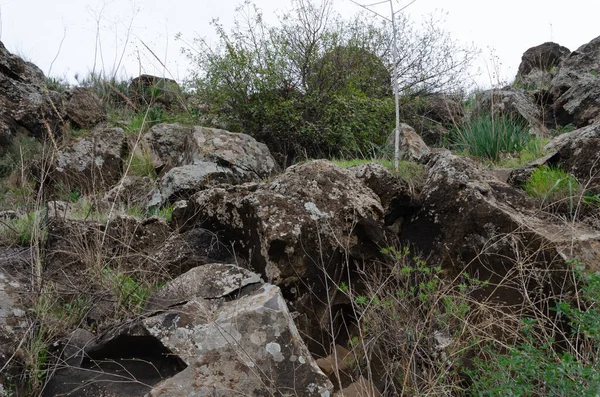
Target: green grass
{"type": "Point", "coordinates": [551, 184]}
{"type": "Point", "coordinates": [141, 164]}
{"type": "Point", "coordinates": [22, 230]}
{"type": "Point", "coordinates": [534, 149]}
{"type": "Point", "coordinates": [489, 138]}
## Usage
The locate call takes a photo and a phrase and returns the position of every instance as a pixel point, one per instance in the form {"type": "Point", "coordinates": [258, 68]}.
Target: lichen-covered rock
{"type": "Point", "coordinates": [411, 145]}
{"type": "Point", "coordinates": [210, 281]}
{"type": "Point", "coordinates": [195, 247]}
{"type": "Point", "coordinates": [147, 90]}
{"type": "Point", "coordinates": [92, 163]}
{"type": "Point", "coordinates": [220, 338]}
{"type": "Point", "coordinates": [174, 145]}
{"type": "Point", "coordinates": [189, 159]}
{"type": "Point", "coordinates": [577, 152]}
{"type": "Point", "coordinates": [471, 220]}
{"type": "Point", "coordinates": [179, 183]}
{"type": "Point", "coordinates": [518, 104]}
{"type": "Point", "coordinates": [313, 210]}
{"type": "Point", "coordinates": [539, 65]}
{"type": "Point", "coordinates": [576, 86]}
{"type": "Point", "coordinates": [84, 109]}
{"type": "Point", "coordinates": [25, 107]}
{"type": "Point", "coordinates": [248, 346]}
{"type": "Point", "coordinates": [397, 197]}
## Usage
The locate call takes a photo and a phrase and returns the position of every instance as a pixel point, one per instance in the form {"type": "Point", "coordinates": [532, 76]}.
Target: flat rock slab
{"type": "Point", "coordinates": [209, 281]}
{"type": "Point", "coordinates": [248, 347]}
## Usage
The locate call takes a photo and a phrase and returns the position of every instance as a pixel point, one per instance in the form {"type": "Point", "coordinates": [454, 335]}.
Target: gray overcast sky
{"type": "Point", "coordinates": [35, 28]}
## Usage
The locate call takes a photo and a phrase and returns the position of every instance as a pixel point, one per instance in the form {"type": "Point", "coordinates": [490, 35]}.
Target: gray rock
{"type": "Point", "coordinates": [411, 145]}
{"type": "Point", "coordinates": [148, 90]}
{"type": "Point", "coordinates": [25, 107]}
{"type": "Point", "coordinates": [174, 146]}
{"type": "Point", "coordinates": [84, 109]}
{"type": "Point", "coordinates": [512, 102]}
{"type": "Point", "coordinates": [210, 281]}
{"type": "Point", "coordinates": [471, 220]}
{"type": "Point", "coordinates": [539, 65]}
{"type": "Point", "coordinates": [93, 163]}
{"type": "Point", "coordinates": [179, 183]}
{"type": "Point", "coordinates": [249, 346]}
{"type": "Point", "coordinates": [576, 86]}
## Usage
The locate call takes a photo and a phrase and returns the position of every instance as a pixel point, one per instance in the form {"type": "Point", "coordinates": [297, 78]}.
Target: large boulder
{"type": "Point", "coordinates": [226, 334]}
{"type": "Point", "coordinates": [25, 106]}
{"type": "Point", "coordinates": [189, 159]}
{"type": "Point", "coordinates": [148, 90]}
{"type": "Point", "coordinates": [539, 65]}
{"type": "Point", "coordinates": [515, 103]}
{"type": "Point", "coordinates": [313, 210]}
{"type": "Point", "coordinates": [471, 220]}
{"type": "Point", "coordinates": [305, 230]}
{"type": "Point", "coordinates": [84, 109]}
{"type": "Point", "coordinates": [577, 152]}
{"type": "Point", "coordinates": [92, 163]}
{"type": "Point", "coordinates": [180, 183]}
{"type": "Point", "coordinates": [576, 86]}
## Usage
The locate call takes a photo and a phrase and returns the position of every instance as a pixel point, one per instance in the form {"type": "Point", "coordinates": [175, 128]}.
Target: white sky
{"type": "Point", "coordinates": [34, 29]}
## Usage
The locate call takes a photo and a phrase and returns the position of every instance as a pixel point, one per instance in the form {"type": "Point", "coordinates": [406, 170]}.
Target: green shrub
{"type": "Point", "coordinates": [539, 366]}
{"type": "Point", "coordinates": [490, 137]}
{"type": "Point", "coordinates": [551, 184]}
{"type": "Point", "coordinates": [415, 319]}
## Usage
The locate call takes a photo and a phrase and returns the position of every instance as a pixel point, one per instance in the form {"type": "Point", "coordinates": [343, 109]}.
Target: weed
{"type": "Point", "coordinates": [536, 366]}
{"type": "Point", "coordinates": [415, 318]}
{"type": "Point", "coordinates": [20, 230]}
{"type": "Point", "coordinates": [131, 294]}
{"type": "Point", "coordinates": [563, 129]}
{"type": "Point", "coordinates": [140, 164]}
{"type": "Point", "coordinates": [489, 137]}
{"type": "Point", "coordinates": [165, 212]}
{"type": "Point", "coordinates": [533, 150]}
{"type": "Point", "coordinates": [551, 184]}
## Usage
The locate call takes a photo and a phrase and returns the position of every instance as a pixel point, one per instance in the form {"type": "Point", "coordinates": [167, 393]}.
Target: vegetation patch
{"type": "Point", "coordinates": [490, 137]}
{"type": "Point", "coordinates": [551, 184]}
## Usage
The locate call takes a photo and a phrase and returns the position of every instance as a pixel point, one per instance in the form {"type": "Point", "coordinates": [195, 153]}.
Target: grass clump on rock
{"type": "Point", "coordinates": [489, 137]}
{"type": "Point", "coordinates": [549, 183]}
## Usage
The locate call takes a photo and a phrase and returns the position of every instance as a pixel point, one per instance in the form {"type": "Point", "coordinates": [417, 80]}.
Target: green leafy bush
{"type": "Point", "coordinates": [490, 137]}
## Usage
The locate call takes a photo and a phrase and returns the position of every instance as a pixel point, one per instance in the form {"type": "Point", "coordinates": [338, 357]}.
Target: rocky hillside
{"type": "Point", "coordinates": [148, 255]}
